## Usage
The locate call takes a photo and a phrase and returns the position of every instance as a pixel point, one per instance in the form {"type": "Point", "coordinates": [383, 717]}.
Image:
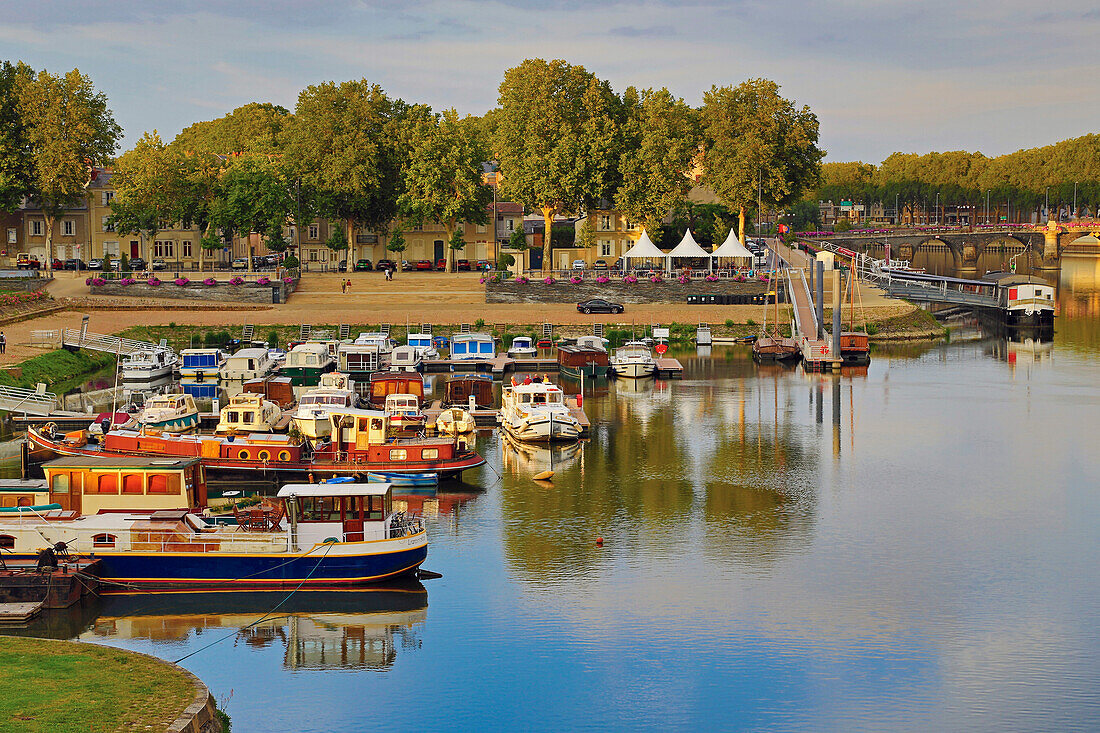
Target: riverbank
{"type": "Point", "coordinates": [62, 687]}
{"type": "Point", "coordinates": [54, 367]}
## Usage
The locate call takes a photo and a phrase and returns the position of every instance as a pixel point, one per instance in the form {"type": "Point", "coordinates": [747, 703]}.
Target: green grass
{"type": "Point", "coordinates": [65, 687]}
{"type": "Point", "coordinates": [56, 367]}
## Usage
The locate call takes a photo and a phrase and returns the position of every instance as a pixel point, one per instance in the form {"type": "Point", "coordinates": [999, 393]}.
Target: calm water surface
{"type": "Point", "coordinates": [913, 547]}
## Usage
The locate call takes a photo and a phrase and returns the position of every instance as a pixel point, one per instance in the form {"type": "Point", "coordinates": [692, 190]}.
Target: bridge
{"type": "Point", "coordinates": [80, 339]}
{"type": "Point", "coordinates": [28, 401]}
{"type": "Point", "coordinates": [1043, 248]}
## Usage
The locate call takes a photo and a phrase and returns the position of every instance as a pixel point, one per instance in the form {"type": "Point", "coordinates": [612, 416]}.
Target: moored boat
{"type": "Point", "coordinates": [633, 360]}
{"type": "Point", "coordinates": [201, 364]}
{"type": "Point", "coordinates": [459, 389]}
{"type": "Point", "coordinates": [536, 412]}
{"type": "Point", "coordinates": [383, 384]}
{"type": "Point", "coordinates": [586, 359]}
{"type": "Point", "coordinates": [403, 412]}
{"type": "Point", "coordinates": [148, 364]}
{"type": "Point", "coordinates": [522, 347]}
{"type": "Point", "coordinates": [305, 364]}
{"type": "Point", "coordinates": [336, 391]}
{"type": "Point", "coordinates": [472, 346]}
{"type": "Point", "coordinates": [248, 413]}
{"type": "Point", "coordinates": [454, 421]}
{"type": "Point", "coordinates": [403, 479]}
{"type": "Point", "coordinates": [247, 364]}
{"type": "Point", "coordinates": [175, 413]}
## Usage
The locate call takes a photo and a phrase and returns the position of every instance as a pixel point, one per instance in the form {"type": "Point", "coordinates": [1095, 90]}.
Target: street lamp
{"type": "Point", "coordinates": [937, 208]}
{"type": "Point", "coordinates": [987, 207]}
{"type": "Point", "coordinates": [1046, 203]}
{"type": "Point", "coordinates": [897, 219]}
{"type": "Point", "coordinates": [1075, 200]}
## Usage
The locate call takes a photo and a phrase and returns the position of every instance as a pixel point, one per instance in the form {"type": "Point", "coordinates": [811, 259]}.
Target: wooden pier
{"type": "Point", "coordinates": [498, 365]}
{"type": "Point", "coordinates": [669, 368]}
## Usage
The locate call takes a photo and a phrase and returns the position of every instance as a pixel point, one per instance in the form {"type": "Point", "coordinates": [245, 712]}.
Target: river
{"type": "Point", "coordinates": [913, 547]}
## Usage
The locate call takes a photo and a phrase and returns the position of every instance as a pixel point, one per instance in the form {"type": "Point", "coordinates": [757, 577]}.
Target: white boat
{"type": "Point", "coordinates": [199, 364]}
{"type": "Point", "coordinates": [454, 421]}
{"type": "Point", "coordinates": [536, 412]}
{"type": "Point", "coordinates": [522, 346]}
{"type": "Point", "coordinates": [403, 412]}
{"type": "Point", "coordinates": [148, 364]}
{"type": "Point", "coordinates": [405, 358]}
{"type": "Point", "coordinates": [305, 363]}
{"type": "Point", "coordinates": [634, 360]}
{"type": "Point", "coordinates": [311, 417]}
{"type": "Point", "coordinates": [358, 358]}
{"type": "Point", "coordinates": [592, 342]}
{"type": "Point", "coordinates": [172, 413]}
{"type": "Point", "coordinates": [472, 346]}
{"type": "Point", "coordinates": [383, 341]}
{"type": "Point", "coordinates": [248, 412]}
{"type": "Point", "coordinates": [247, 364]}
{"type": "Point", "coordinates": [703, 336]}
{"type": "Point", "coordinates": [422, 342]}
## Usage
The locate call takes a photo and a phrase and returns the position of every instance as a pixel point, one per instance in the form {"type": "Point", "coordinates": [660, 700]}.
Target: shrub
{"type": "Point", "coordinates": [872, 329]}
{"type": "Point", "coordinates": [87, 281]}
{"type": "Point", "coordinates": [263, 280]}
{"type": "Point", "coordinates": [494, 279]}
{"type": "Point", "coordinates": [290, 262]}
{"type": "Point", "coordinates": [288, 280]}
{"type": "Point", "coordinates": [273, 339]}
{"type": "Point", "coordinates": [98, 282]}
{"type": "Point", "coordinates": [210, 281]}
{"type": "Point", "coordinates": [237, 281]}
{"type": "Point", "coordinates": [749, 322]}
{"type": "Point", "coordinates": [153, 281]}
{"type": "Point", "coordinates": [181, 281]}
{"type": "Point", "coordinates": [127, 281]}
{"type": "Point", "coordinates": [479, 323]}
{"type": "Point", "coordinates": [729, 323]}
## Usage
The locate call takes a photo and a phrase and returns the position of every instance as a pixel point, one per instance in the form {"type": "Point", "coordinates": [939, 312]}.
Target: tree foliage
{"type": "Point", "coordinates": [16, 172]}
{"type": "Point", "coordinates": [256, 127]}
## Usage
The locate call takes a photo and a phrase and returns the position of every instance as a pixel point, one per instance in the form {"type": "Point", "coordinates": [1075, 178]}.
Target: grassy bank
{"type": "Point", "coordinates": [55, 367]}
{"type": "Point", "coordinates": [63, 687]}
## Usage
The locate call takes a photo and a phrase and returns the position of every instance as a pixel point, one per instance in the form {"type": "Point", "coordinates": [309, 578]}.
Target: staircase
{"type": "Point", "coordinates": [345, 331]}
{"type": "Point", "coordinates": [304, 332]}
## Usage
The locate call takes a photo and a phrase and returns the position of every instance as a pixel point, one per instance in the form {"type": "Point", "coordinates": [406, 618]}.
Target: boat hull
{"type": "Point", "coordinates": [177, 424]}
{"type": "Point", "coordinates": [543, 430]}
{"type": "Point", "coordinates": [634, 370]}
{"type": "Point", "coordinates": [589, 370]}
{"type": "Point", "coordinates": [142, 374]}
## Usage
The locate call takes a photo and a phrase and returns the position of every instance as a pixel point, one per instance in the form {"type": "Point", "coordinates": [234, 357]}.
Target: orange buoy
{"type": "Point", "coordinates": [599, 542]}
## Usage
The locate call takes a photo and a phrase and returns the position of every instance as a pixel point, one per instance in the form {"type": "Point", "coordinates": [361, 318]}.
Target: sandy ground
{"type": "Point", "coordinates": [437, 298]}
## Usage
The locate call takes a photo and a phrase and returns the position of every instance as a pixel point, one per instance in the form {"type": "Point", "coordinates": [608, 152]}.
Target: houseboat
{"type": "Point", "coordinates": [146, 365]}
{"type": "Point", "coordinates": [174, 413]}
{"type": "Point", "coordinates": [358, 360]}
{"type": "Point", "coordinates": [473, 346]}
{"type": "Point", "coordinates": [536, 413]}
{"type": "Point", "coordinates": [305, 364]}
{"type": "Point", "coordinates": [273, 389]}
{"type": "Point", "coordinates": [855, 348]}
{"type": "Point", "coordinates": [1025, 303]}
{"type": "Point", "coordinates": [522, 347]}
{"type": "Point", "coordinates": [634, 360]}
{"type": "Point", "coordinates": [422, 342]}
{"type": "Point", "coordinates": [316, 536]}
{"type": "Point", "coordinates": [336, 391]}
{"type": "Point", "coordinates": [458, 390]}
{"type": "Point", "coordinates": [589, 360]}
{"type": "Point", "coordinates": [703, 335]}
{"type": "Point", "coordinates": [403, 412]}
{"type": "Point", "coordinates": [383, 384]}
{"type": "Point", "coordinates": [201, 364]}
{"type": "Point", "coordinates": [406, 358]}
{"type": "Point", "coordinates": [247, 364]}
{"type": "Point", "coordinates": [248, 413]}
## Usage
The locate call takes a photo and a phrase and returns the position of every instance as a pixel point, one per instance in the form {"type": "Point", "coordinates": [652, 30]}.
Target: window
{"type": "Point", "coordinates": [159, 484]}
{"type": "Point", "coordinates": [429, 454]}
{"type": "Point", "coordinates": [107, 225]}
{"type": "Point", "coordinates": [107, 484]}
{"type": "Point", "coordinates": [60, 484]}
{"type": "Point", "coordinates": [108, 197]}
{"type": "Point", "coordinates": [247, 417]}
{"type": "Point", "coordinates": [605, 223]}
{"type": "Point", "coordinates": [12, 236]}
{"type": "Point", "coordinates": [103, 540]}
{"type": "Point", "coordinates": [314, 232]}
{"type": "Point", "coordinates": [185, 246]}
{"type": "Point", "coordinates": [133, 483]}
{"type": "Point", "coordinates": [511, 224]}
{"type": "Point", "coordinates": [418, 227]}
{"type": "Point", "coordinates": [313, 255]}
{"type": "Point", "coordinates": [398, 454]}
{"type": "Point", "coordinates": [164, 248]}
{"type": "Point", "coordinates": [7, 542]}
{"type": "Point", "coordinates": [605, 248]}
{"type": "Point", "coordinates": [36, 228]}
{"type": "Point", "coordinates": [480, 228]}
{"type": "Point", "coordinates": [110, 248]}
{"type": "Point", "coordinates": [67, 227]}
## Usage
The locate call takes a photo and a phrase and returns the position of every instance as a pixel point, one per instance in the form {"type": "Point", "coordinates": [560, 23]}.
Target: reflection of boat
{"type": "Point", "coordinates": [175, 413]}
{"type": "Point", "coordinates": [531, 458]}
{"type": "Point", "coordinates": [633, 359]}
{"type": "Point", "coordinates": [536, 412]}
{"type": "Point", "coordinates": [318, 629]}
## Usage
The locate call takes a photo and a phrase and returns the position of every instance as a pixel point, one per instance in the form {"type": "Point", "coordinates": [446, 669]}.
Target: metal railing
{"type": "Point", "coordinates": [103, 342]}
{"type": "Point", "coordinates": [27, 401]}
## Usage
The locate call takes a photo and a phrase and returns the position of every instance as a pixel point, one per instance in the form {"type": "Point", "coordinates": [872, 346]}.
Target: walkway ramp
{"type": "Point", "coordinates": [102, 342]}
{"type": "Point", "coordinates": [27, 401]}
{"type": "Point", "coordinates": [805, 317]}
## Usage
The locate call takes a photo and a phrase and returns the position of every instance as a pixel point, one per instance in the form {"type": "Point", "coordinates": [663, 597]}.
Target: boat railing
{"type": "Point", "coordinates": [223, 539]}
{"type": "Point", "coordinates": [403, 524]}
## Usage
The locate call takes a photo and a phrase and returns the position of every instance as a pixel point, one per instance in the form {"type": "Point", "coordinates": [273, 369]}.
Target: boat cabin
{"type": "Point", "coordinates": [359, 358]}
{"type": "Point", "coordinates": [201, 363]}
{"type": "Point", "coordinates": [248, 413]}
{"type": "Point", "coordinates": [387, 383]}
{"type": "Point", "coordinates": [279, 390]}
{"type": "Point", "coordinates": [472, 346]}
{"type": "Point", "coordinates": [98, 484]}
{"type": "Point", "coordinates": [457, 391]}
{"type": "Point", "coordinates": [406, 357]}
{"type": "Point", "coordinates": [336, 380]}
{"type": "Point", "coordinates": [577, 359]}
{"type": "Point", "coordinates": [381, 340]}
{"type": "Point", "coordinates": [346, 512]}
{"type": "Point", "coordinates": [310, 356]}
{"type": "Point", "coordinates": [26, 492]}
{"type": "Point", "coordinates": [591, 342]}
{"type": "Point", "coordinates": [247, 364]}
{"type": "Point", "coordinates": [522, 345]}
{"type": "Point", "coordinates": [420, 341]}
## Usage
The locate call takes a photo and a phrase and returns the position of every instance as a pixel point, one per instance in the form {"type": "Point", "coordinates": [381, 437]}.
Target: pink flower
{"type": "Point", "coordinates": [549, 280]}
{"type": "Point", "coordinates": [237, 281]}
{"type": "Point", "coordinates": [181, 281]}
{"type": "Point", "coordinates": [209, 281]}
{"type": "Point", "coordinates": [153, 281]}
{"type": "Point", "coordinates": [603, 279]}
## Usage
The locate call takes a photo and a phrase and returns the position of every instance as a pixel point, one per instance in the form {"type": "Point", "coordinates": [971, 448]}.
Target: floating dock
{"type": "Point", "coordinates": [669, 368]}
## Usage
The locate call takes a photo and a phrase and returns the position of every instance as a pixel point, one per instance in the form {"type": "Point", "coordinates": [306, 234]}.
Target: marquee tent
{"type": "Point", "coordinates": [732, 247]}
{"type": "Point", "coordinates": [643, 249]}
{"type": "Point", "coordinates": [688, 248]}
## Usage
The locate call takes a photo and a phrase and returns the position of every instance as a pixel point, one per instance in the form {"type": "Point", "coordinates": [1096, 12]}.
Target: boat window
{"type": "Point", "coordinates": [320, 509]}
{"type": "Point", "coordinates": [232, 416]}
{"type": "Point", "coordinates": [251, 363]}
{"type": "Point", "coordinates": [7, 542]}
{"type": "Point", "coordinates": [104, 540]}
{"type": "Point", "coordinates": [376, 423]}
{"type": "Point", "coordinates": [398, 454]}
{"type": "Point", "coordinates": [246, 417]}
{"type": "Point", "coordinates": [107, 484]}
{"type": "Point", "coordinates": [160, 483]}
{"type": "Point", "coordinates": [60, 484]}
{"type": "Point", "coordinates": [429, 454]}
{"type": "Point", "coordinates": [376, 507]}
{"type": "Point", "coordinates": [133, 483]}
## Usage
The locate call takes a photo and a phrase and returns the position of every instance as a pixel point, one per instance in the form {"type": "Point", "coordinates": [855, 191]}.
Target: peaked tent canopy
{"type": "Point", "coordinates": [688, 248]}
{"type": "Point", "coordinates": [643, 249]}
{"type": "Point", "coordinates": [732, 247]}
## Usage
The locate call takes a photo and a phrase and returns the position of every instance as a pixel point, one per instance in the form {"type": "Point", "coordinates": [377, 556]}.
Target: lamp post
{"type": "Point", "coordinates": [937, 208]}
{"type": "Point", "coordinates": [987, 207]}
{"type": "Point", "coordinates": [1046, 203]}
{"type": "Point", "coordinates": [1075, 200]}
{"type": "Point", "coordinates": [897, 219]}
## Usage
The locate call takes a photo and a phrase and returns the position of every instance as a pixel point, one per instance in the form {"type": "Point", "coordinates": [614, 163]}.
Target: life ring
{"type": "Point", "coordinates": [243, 455]}
{"type": "Point", "coordinates": [49, 428]}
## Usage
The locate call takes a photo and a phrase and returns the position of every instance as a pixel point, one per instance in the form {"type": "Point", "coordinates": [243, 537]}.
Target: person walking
{"type": "Point", "coordinates": [343, 286]}
{"type": "Point", "coordinates": [3, 343]}
{"type": "Point", "coordinates": [349, 286]}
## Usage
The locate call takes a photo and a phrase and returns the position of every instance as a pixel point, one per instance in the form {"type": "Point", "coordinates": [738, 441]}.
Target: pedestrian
{"type": "Point", "coordinates": [3, 343]}
{"type": "Point", "coordinates": [343, 285]}
{"type": "Point", "coordinates": [349, 286]}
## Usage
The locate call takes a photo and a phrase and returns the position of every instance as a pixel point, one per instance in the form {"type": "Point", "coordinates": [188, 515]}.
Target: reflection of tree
{"type": "Point", "coordinates": [662, 458]}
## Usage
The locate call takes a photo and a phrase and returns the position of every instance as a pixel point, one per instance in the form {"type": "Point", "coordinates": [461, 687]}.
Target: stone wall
{"type": "Point", "coordinates": [276, 292]}
{"type": "Point", "coordinates": [618, 291]}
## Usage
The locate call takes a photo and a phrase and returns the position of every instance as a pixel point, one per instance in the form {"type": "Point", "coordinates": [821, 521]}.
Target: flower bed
{"type": "Point", "coordinates": [627, 290]}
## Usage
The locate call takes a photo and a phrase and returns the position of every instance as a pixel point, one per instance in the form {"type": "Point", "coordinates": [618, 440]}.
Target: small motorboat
{"type": "Point", "coordinates": [148, 364]}
{"type": "Point", "coordinates": [246, 413]}
{"type": "Point", "coordinates": [427, 478]}
{"type": "Point", "coordinates": [522, 347]}
{"type": "Point", "coordinates": [173, 413]}
{"type": "Point", "coordinates": [403, 411]}
{"type": "Point", "coordinates": [454, 421]}
{"type": "Point", "coordinates": [536, 412]}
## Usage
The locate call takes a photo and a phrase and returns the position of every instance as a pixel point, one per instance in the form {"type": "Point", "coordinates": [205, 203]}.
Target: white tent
{"type": "Point", "coordinates": [732, 247]}
{"type": "Point", "coordinates": [643, 249]}
{"type": "Point", "coordinates": [688, 248]}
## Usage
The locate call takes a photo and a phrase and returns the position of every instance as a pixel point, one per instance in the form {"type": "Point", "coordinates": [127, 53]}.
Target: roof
{"type": "Point", "coordinates": [506, 207]}
{"type": "Point", "coordinates": [643, 248]}
{"type": "Point", "coordinates": [248, 353]}
{"type": "Point", "coordinates": [688, 247]}
{"type": "Point", "coordinates": [105, 461]}
{"type": "Point", "coordinates": [732, 247]}
{"type": "Point", "coordinates": [340, 489]}
{"type": "Point", "coordinates": [1008, 278]}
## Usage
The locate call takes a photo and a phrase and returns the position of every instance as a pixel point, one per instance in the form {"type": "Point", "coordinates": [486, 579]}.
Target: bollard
{"type": "Point", "coordinates": [837, 358]}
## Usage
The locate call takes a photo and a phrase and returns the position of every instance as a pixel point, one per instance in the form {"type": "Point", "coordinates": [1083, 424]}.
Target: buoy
{"type": "Point", "coordinates": [544, 476]}
{"type": "Point", "coordinates": [580, 400]}
{"type": "Point", "coordinates": [599, 542]}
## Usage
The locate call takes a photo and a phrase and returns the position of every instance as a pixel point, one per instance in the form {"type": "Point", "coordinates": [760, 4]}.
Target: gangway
{"type": "Point", "coordinates": [28, 401]}
{"type": "Point", "coordinates": [74, 337]}
{"type": "Point", "coordinates": [345, 331]}
{"type": "Point", "coordinates": [248, 331]}
{"type": "Point", "coordinates": [815, 351]}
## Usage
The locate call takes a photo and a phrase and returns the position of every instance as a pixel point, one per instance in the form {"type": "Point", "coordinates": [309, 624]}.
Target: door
{"type": "Point", "coordinates": [535, 258]}
{"type": "Point", "coordinates": [353, 519]}
{"type": "Point", "coordinates": [65, 490]}
{"type": "Point", "coordinates": [135, 248]}
{"type": "Point", "coordinates": [438, 252]}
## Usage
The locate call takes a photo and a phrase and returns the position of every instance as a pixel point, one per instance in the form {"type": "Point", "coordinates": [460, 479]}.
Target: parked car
{"type": "Point", "coordinates": [579, 264]}
{"type": "Point", "coordinates": [599, 305]}
{"type": "Point", "coordinates": [618, 264]}
{"type": "Point", "coordinates": [363, 265]}
{"type": "Point", "coordinates": [342, 266]}
{"type": "Point", "coordinates": [159, 265]}
{"type": "Point", "coordinates": [483, 265]}
{"type": "Point", "coordinates": [441, 265]}
{"type": "Point", "coordinates": [599, 265]}
{"type": "Point", "coordinates": [138, 264]}
{"type": "Point", "coordinates": [386, 264]}
{"type": "Point", "coordinates": [57, 264]}
{"type": "Point", "coordinates": [96, 264]}
{"type": "Point", "coordinates": [241, 263]}
{"type": "Point", "coordinates": [406, 265]}
{"type": "Point", "coordinates": [75, 263]}
{"type": "Point", "coordinates": [116, 264]}
{"type": "Point", "coordinates": [27, 262]}
{"type": "Point", "coordinates": [462, 265]}
{"type": "Point", "coordinates": [424, 265]}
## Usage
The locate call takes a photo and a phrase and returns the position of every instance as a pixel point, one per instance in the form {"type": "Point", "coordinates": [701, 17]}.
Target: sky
{"type": "Point", "coordinates": [882, 76]}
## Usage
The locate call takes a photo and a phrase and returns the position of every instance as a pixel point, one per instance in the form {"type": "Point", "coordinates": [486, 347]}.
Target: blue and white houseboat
{"type": "Point", "coordinates": [472, 346]}
{"type": "Point", "coordinates": [201, 364]}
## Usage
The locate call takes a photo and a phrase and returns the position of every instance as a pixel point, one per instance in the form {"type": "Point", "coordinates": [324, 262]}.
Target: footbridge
{"type": "Point", "coordinates": [28, 401]}
{"type": "Point", "coordinates": [80, 339]}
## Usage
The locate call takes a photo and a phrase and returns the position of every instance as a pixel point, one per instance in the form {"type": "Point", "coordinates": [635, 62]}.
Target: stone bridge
{"type": "Point", "coordinates": [1043, 247]}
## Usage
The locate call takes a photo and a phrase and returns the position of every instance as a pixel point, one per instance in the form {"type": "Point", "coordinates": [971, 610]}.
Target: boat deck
{"type": "Point", "coordinates": [483, 417]}
{"type": "Point", "coordinates": [669, 368]}
{"type": "Point", "coordinates": [17, 613]}
{"type": "Point", "coordinates": [578, 412]}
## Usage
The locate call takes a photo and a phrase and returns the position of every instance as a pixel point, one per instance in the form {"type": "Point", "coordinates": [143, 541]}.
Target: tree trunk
{"type": "Point", "coordinates": [741, 225]}
{"type": "Point", "coordinates": [548, 235]}
{"type": "Point", "coordinates": [351, 244]}
{"type": "Point", "coordinates": [449, 228]}
{"type": "Point", "coordinates": [49, 241]}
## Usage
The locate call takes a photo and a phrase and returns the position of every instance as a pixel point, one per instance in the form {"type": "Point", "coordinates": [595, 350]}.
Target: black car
{"type": "Point", "coordinates": [75, 264]}
{"type": "Point", "coordinates": [386, 264]}
{"type": "Point", "coordinates": [343, 266]}
{"type": "Point", "coordinates": [599, 305]}
{"type": "Point", "coordinates": [363, 265]}
{"type": "Point", "coordinates": [462, 265]}
{"type": "Point", "coordinates": [138, 264]}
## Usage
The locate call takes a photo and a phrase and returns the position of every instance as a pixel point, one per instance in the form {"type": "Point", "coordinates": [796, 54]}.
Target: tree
{"type": "Point", "coordinates": [442, 176]}
{"type": "Point", "coordinates": [518, 240]}
{"type": "Point", "coordinates": [396, 242]}
{"type": "Point", "coordinates": [254, 128]}
{"type": "Point", "coordinates": [16, 172]}
{"type": "Point", "coordinates": [149, 183]}
{"type": "Point", "coordinates": [585, 237]}
{"type": "Point", "coordinates": [758, 147]}
{"type": "Point", "coordinates": [661, 138]}
{"type": "Point", "coordinates": [455, 243]}
{"type": "Point", "coordinates": [343, 142]}
{"type": "Point", "coordinates": [68, 130]}
{"type": "Point", "coordinates": [556, 137]}
{"type": "Point", "coordinates": [337, 241]}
